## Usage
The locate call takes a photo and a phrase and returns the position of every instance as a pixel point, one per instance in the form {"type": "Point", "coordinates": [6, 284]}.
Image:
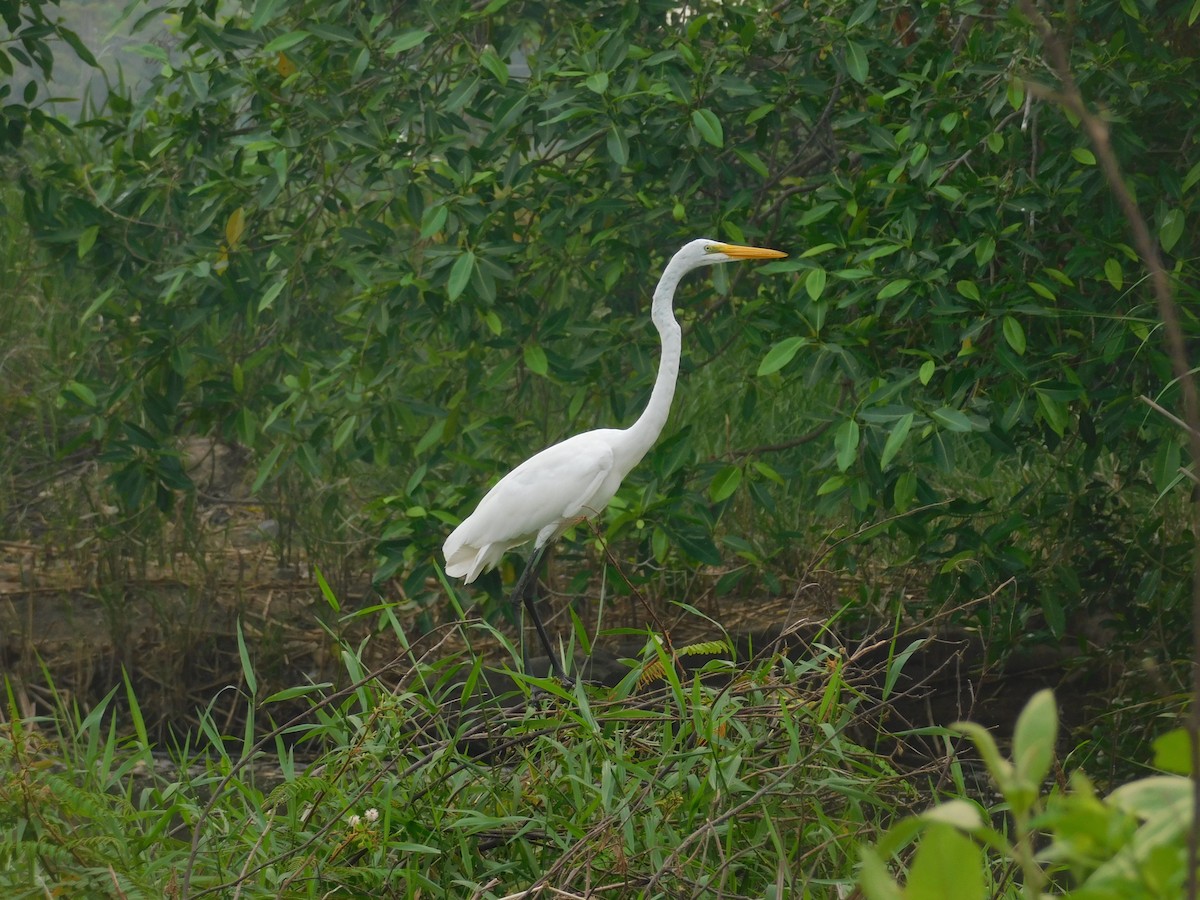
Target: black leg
{"type": "Point", "coordinates": [524, 593]}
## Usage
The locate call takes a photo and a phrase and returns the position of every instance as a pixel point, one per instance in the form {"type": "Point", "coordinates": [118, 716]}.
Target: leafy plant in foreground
{"type": "Point", "coordinates": [1072, 843]}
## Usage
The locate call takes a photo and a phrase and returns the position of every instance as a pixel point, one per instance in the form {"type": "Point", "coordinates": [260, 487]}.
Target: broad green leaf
{"type": "Point", "coordinates": [698, 546]}
{"type": "Point", "coordinates": [856, 62]}
{"type": "Point", "coordinates": [947, 866]}
{"type": "Point", "coordinates": [1041, 290]}
{"type": "Point", "coordinates": [962, 814]}
{"type": "Point", "coordinates": [861, 14]}
{"type": "Point", "coordinates": [1167, 460]}
{"type": "Point", "coordinates": [264, 12]}
{"type": "Point", "coordinates": [767, 472]}
{"type": "Point", "coordinates": [895, 440]}
{"type": "Point", "coordinates": [491, 61]}
{"type": "Point", "coordinates": [753, 161]}
{"type": "Point", "coordinates": [845, 440]}
{"type": "Point", "coordinates": [1156, 795]}
{"type": "Point", "coordinates": [407, 41]}
{"type": "Point", "coordinates": [432, 435]}
{"type": "Point", "coordinates": [433, 220]}
{"type": "Point", "coordinates": [724, 483]}
{"type": "Point", "coordinates": [597, 82]}
{"type": "Point", "coordinates": [1084, 155]}
{"type": "Point", "coordinates": [998, 767]}
{"type": "Point", "coordinates": [905, 491]}
{"type": "Point", "coordinates": [1193, 174]}
{"type": "Point", "coordinates": [1171, 229]}
{"type": "Point", "coordinates": [1034, 739]}
{"type": "Point", "coordinates": [709, 126]}
{"type": "Point", "coordinates": [831, 484]}
{"type": "Point", "coordinates": [266, 467]}
{"type": "Point", "coordinates": [985, 249]}
{"type": "Point", "coordinates": [1114, 274]}
{"type": "Point", "coordinates": [87, 238]}
{"type": "Point", "coordinates": [759, 111]}
{"type": "Point", "coordinates": [1016, 93]}
{"type": "Point", "coordinates": [286, 41]}
{"type": "Point", "coordinates": [875, 880]}
{"type": "Point", "coordinates": [951, 419]}
{"type": "Point", "coordinates": [1014, 334]}
{"type": "Point", "coordinates": [271, 294]}
{"type": "Point", "coordinates": [926, 371]}
{"type": "Point", "coordinates": [618, 145]}
{"type": "Point", "coordinates": [460, 274]}
{"type": "Point", "coordinates": [969, 290]}
{"type": "Point", "coordinates": [780, 355]}
{"type": "Point", "coordinates": [1053, 410]}
{"type": "Point", "coordinates": [85, 394]}
{"type": "Point", "coordinates": [814, 282]}
{"type": "Point", "coordinates": [344, 431]}
{"type": "Point", "coordinates": [1173, 751]}
{"type": "Point", "coordinates": [535, 359]}
{"type": "Point", "coordinates": [892, 288]}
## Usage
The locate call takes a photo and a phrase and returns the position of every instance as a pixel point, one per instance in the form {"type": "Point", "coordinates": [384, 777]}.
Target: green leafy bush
{"type": "Point", "coordinates": [391, 252]}
{"type": "Point", "coordinates": [1070, 843]}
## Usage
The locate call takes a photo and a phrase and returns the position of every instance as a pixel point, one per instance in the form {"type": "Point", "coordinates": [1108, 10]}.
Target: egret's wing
{"type": "Point", "coordinates": [535, 501]}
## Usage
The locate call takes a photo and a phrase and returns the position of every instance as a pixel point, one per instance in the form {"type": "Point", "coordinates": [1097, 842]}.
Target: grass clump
{"type": "Point", "coordinates": [450, 778]}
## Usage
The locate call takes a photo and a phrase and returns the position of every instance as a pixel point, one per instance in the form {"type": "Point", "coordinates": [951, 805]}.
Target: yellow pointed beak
{"type": "Point", "coordinates": [737, 251]}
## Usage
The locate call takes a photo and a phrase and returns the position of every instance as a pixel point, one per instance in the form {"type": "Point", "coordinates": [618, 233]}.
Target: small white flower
{"type": "Point", "coordinates": [371, 815]}
{"type": "Point", "coordinates": [354, 820]}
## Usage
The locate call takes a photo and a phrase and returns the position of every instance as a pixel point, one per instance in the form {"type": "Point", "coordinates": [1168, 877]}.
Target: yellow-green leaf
{"type": "Point", "coordinates": [1114, 274]}
{"type": "Point", "coordinates": [535, 359]}
{"type": "Point", "coordinates": [234, 226]}
{"type": "Point", "coordinates": [892, 288]}
{"type": "Point", "coordinates": [1014, 334]}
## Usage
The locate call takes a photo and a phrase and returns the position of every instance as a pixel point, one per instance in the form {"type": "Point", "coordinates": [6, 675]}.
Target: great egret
{"type": "Point", "coordinates": [575, 478]}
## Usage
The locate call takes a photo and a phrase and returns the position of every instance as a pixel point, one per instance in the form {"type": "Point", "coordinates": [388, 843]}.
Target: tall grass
{"type": "Point", "coordinates": [450, 778]}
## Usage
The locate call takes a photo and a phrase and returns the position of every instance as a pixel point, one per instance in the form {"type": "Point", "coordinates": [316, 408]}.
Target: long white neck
{"type": "Point", "coordinates": [641, 435]}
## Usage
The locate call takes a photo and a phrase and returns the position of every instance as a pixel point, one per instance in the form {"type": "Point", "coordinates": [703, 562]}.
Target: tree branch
{"type": "Point", "coordinates": [1070, 99]}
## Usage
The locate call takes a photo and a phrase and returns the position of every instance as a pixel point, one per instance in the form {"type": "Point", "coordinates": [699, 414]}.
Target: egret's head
{"type": "Point", "coordinates": [707, 252]}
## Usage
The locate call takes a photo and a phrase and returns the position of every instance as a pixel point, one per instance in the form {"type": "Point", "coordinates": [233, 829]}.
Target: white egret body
{"type": "Point", "coordinates": [575, 478]}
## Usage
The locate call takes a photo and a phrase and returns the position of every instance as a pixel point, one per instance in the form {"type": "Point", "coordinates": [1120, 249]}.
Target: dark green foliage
{"type": "Point", "coordinates": [400, 248]}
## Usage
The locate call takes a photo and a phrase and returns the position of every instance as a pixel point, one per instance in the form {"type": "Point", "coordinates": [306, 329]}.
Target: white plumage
{"type": "Point", "coordinates": [575, 478]}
